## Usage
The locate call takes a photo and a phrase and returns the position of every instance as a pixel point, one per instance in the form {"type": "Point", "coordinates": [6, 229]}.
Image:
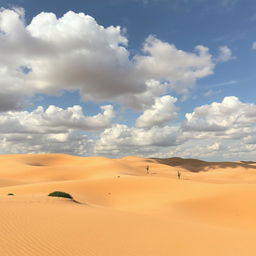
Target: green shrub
{"type": "Point", "coordinates": [10, 194]}
{"type": "Point", "coordinates": [60, 194]}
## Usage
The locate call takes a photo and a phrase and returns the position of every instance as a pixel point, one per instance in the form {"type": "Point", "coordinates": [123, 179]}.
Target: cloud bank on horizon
{"type": "Point", "coordinates": [53, 55]}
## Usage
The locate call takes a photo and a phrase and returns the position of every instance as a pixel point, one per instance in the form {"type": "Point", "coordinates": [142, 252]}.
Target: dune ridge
{"type": "Point", "coordinates": [123, 210]}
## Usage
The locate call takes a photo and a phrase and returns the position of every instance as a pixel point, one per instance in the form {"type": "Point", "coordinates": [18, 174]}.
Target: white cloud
{"type": "Point", "coordinates": [121, 140]}
{"type": "Point", "coordinates": [220, 131]}
{"type": "Point", "coordinates": [74, 52]}
{"type": "Point", "coordinates": [54, 120]}
{"type": "Point", "coordinates": [163, 61]}
{"type": "Point", "coordinates": [254, 45]}
{"type": "Point", "coordinates": [161, 112]}
{"type": "Point", "coordinates": [215, 146]}
{"type": "Point", "coordinates": [51, 130]}
{"type": "Point", "coordinates": [60, 137]}
{"type": "Point", "coordinates": [225, 54]}
{"type": "Point", "coordinates": [230, 116]}
{"type": "Point", "coordinates": [69, 143]}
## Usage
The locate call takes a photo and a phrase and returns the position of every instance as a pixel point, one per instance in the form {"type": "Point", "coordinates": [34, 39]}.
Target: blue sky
{"type": "Point", "coordinates": [153, 78]}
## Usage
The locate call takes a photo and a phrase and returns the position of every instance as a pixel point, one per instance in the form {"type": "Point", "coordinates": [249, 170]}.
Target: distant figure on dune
{"type": "Point", "coordinates": [178, 174]}
{"type": "Point", "coordinates": [147, 169]}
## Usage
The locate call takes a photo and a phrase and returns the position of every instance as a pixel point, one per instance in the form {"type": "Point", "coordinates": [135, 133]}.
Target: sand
{"type": "Point", "coordinates": [123, 211]}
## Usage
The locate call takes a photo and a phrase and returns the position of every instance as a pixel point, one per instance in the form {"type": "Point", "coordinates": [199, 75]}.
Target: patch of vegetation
{"type": "Point", "coordinates": [10, 194]}
{"type": "Point", "coordinates": [60, 194]}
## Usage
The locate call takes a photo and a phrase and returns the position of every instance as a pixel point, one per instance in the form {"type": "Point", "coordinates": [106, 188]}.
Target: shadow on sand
{"type": "Point", "coordinates": [195, 165]}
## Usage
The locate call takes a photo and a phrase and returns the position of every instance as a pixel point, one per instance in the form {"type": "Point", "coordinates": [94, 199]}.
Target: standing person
{"type": "Point", "coordinates": [178, 174]}
{"type": "Point", "coordinates": [147, 169]}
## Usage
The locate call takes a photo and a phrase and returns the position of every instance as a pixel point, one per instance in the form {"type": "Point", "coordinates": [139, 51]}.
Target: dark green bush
{"type": "Point", "coordinates": [60, 194]}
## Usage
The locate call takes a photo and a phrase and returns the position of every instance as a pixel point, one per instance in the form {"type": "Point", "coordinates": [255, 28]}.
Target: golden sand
{"type": "Point", "coordinates": [122, 210]}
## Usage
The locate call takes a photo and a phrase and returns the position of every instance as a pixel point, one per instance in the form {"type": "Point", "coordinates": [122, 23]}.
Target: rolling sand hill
{"type": "Point", "coordinates": [122, 210]}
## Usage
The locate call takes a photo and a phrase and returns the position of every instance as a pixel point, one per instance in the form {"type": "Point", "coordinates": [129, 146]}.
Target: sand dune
{"type": "Point", "coordinates": [122, 210]}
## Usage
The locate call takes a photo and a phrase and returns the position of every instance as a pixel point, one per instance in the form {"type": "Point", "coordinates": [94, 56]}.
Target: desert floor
{"type": "Point", "coordinates": [123, 211]}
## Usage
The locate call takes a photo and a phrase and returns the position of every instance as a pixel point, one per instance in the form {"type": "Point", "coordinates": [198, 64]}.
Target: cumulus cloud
{"type": "Point", "coordinates": [146, 99]}
{"type": "Point", "coordinates": [163, 61]}
{"type": "Point", "coordinates": [121, 139]}
{"type": "Point", "coordinates": [74, 52]}
{"type": "Point", "coordinates": [69, 143]}
{"type": "Point", "coordinates": [217, 129]}
{"type": "Point", "coordinates": [54, 120]}
{"type": "Point", "coordinates": [254, 45]}
{"type": "Point", "coordinates": [231, 115]}
{"type": "Point", "coordinates": [225, 54]}
{"type": "Point", "coordinates": [161, 112]}
{"type": "Point", "coordinates": [51, 130]}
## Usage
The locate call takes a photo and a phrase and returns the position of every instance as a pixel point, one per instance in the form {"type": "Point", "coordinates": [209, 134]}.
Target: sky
{"type": "Point", "coordinates": [152, 78]}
